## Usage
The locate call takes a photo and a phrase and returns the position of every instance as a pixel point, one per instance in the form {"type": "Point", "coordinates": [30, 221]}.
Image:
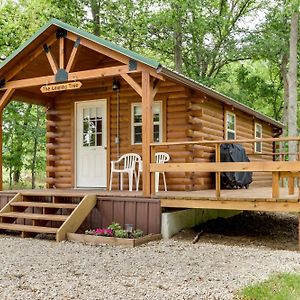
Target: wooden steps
{"type": "Point", "coordinates": [44, 204]}
{"type": "Point", "coordinates": [48, 214]}
{"type": "Point", "coordinates": [27, 228]}
{"type": "Point", "coordinates": [31, 216]}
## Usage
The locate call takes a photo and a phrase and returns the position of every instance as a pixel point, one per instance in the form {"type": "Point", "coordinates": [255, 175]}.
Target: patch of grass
{"type": "Point", "coordinates": [285, 286]}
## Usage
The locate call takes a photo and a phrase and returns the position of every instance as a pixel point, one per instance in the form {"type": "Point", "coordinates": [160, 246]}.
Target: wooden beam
{"type": "Point", "coordinates": [73, 56]}
{"type": "Point", "coordinates": [156, 85]}
{"type": "Point", "coordinates": [73, 76]}
{"type": "Point", "coordinates": [5, 98]}
{"type": "Point", "coordinates": [232, 205]}
{"type": "Point", "coordinates": [33, 55]}
{"type": "Point", "coordinates": [113, 54]}
{"type": "Point", "coordinates": [99, 48]}
{"type": "Point", "coordinates": [51, 60]}
{"type": "Point", "coordinates": [32, 98]}
{"type": "Point", "coordinates": [258, 166]}
{"type": "Point", "coordinates": [147, 131]}
{"type": "Point", "coordinates": [132, 83]}
{"type": "Point", "coordinates": [61, 53]}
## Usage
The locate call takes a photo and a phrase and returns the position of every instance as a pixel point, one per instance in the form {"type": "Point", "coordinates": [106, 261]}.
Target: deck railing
{"type": "Point", "coordinates": [279, 169]}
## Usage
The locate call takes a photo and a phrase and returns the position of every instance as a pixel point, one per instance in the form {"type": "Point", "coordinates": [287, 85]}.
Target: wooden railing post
{"type": "Point", "coordinates": [275, 184]}
{"type": "Point", "coordinates": [152, 160]}
{"type": "Point", "coordinates": [218, 174]}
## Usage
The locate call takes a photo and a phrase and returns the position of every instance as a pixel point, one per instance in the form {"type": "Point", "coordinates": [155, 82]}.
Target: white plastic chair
{"type": "Point", "coordinates": [160, 158]}
{"type": "Point", "coordinates": [128, 162]}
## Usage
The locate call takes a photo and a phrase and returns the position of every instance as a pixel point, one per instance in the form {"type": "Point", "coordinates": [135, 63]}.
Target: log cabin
{"type": "Point", "coordinates": [103, 101]}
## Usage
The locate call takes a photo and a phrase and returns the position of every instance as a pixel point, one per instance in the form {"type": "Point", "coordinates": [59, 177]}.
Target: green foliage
{"type": "Point", "coordinates": [114, 226]}
{"type": "Point", "coordinates": [121, 233]}
{"type": "Point", "coordinates": [278, 287]}
{"type": "Point", "coordinates": [137, 233]}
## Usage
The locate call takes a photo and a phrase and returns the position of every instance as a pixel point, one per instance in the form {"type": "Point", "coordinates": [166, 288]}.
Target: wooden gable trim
{"type": "Point", "coordinates": [61, 53]}
{"type": "Point", "coordinates": [51, 59]}
{"type": "Point", "coordinates": [113, 54]}
{"type": "Point", "coordinates": [34, 54]}
{"type": "Point", "coordinates": [74, 55]}
{"type": "Point", "coordinates": [99, 48]}
{"type": "Point", "coordinates": [80, 75]}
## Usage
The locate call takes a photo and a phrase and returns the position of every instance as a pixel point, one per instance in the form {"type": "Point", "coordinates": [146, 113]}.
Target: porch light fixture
{"type": "Point", "coordinates": [116, 85]}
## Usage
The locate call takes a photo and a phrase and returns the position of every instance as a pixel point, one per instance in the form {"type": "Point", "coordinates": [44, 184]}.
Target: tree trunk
{"type": "Point", "coordinates": [284, 71]}
{"type": "Point", "coordinates": [19, 148]}
{"type": "Point", "coordinates": [178, 48]}
{"type": "Point", "coordinates": [178, 37]}
{"type": "Point", "coordinates": [292, 81]}
{"type": "Point", "coordinates": [35, 148]}
{"type": "Point", "coordinates": [95, 7]}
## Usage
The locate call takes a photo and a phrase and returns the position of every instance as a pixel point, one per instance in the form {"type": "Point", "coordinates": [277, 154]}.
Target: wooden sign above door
{"type": "Point", "coordinates": [61, 87]}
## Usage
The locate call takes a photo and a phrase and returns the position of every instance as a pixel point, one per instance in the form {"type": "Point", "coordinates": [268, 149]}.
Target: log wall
{"type": "Point", "coordinates": [186, 116]}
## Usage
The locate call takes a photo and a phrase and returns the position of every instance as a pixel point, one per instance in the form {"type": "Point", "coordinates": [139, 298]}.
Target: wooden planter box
{"type": "Point", "coordinates": [97, 240]}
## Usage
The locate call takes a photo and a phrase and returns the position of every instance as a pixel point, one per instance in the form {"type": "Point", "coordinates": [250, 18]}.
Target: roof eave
{"type": "Point", "coordinates": [225, 99]}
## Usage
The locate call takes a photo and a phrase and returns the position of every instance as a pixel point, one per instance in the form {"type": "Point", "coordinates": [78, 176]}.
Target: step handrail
{"type": "Point", "coordinates": [77, 216]}
{"type": "Point", "coordinates": [7, 207]}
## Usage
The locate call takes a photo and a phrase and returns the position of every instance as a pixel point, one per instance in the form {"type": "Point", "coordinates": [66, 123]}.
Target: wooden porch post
{"type": "Point", "coordinates": [147, 131]}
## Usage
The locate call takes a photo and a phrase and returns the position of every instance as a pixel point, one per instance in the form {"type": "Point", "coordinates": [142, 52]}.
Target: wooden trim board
{"type": "Point", "coordinates": [97, 240]}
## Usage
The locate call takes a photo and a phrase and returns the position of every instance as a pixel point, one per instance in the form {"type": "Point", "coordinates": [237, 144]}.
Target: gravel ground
{"type": "Point", "coordinates": [171, 269]}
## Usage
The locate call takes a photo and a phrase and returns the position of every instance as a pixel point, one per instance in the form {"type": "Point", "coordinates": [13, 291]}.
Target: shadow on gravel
{"type": "Point", "coordinates": [272, 230]}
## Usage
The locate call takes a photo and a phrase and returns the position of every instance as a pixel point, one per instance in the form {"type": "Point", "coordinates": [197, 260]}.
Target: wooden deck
{"type": "Point", "coordinates": [254, 198]}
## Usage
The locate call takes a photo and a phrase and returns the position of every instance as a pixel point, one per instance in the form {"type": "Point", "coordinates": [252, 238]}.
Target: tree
{"type": "Point", "coordinates": [292, 83]}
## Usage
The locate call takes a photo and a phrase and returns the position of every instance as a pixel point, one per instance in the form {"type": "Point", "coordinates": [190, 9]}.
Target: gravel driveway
{"type": "Point", "coordinates": [171, 269]}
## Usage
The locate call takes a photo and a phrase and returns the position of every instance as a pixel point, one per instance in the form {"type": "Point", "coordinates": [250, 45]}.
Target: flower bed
{"type": "Point", "coordinates": [114, 235]}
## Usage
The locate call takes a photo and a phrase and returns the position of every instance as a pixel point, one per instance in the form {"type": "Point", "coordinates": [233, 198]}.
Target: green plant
{"type": "Point", "coordinates": [137, 233]}
{"type": "Point", "coordinates": [121, 233]}
{"type": "Point", "coordinates": [114, 226]}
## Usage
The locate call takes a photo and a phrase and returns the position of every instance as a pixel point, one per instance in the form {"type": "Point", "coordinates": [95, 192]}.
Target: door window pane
{"type": "Point", "coordinates": [92, 127]}
{"type": "Point", "coordinates": [99, 139]}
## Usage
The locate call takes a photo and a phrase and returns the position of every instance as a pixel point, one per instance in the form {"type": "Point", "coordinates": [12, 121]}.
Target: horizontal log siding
{"type": "Point", "coordinates": [174, 112]}
{"type": "Point", "coordinates": [186, 117]}
{"type": "Point", "coordinates": [209, 115]}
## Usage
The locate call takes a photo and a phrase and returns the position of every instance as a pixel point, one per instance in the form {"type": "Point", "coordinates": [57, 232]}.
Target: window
{"type": "Point", "coordinates": [230, 126]}
{"type": "Point", "coordinates": [258, 135]}
{"type": "Point", "coordinates": [136, 123]}
{"type": "Point", "coordinates": [92, 127]}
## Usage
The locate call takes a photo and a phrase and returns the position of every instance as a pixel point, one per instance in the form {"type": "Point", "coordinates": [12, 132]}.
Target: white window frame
{"type": "Point", "coordinates": [226, 128]}
{"type": "Point", "coordinates": [160, 123]}
{"type": "Point", "coordinates": [255, 136]}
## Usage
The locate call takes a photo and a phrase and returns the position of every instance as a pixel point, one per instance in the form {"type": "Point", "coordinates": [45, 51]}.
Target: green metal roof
{"type": "Point", "coordinates": [147, 61]}
{"type": "Point", "coordinates": [150, 62]}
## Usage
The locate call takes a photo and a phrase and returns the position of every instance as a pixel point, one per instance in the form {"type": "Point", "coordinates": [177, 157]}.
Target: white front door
{"type": "Point", "coordinates": [91, 144]}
